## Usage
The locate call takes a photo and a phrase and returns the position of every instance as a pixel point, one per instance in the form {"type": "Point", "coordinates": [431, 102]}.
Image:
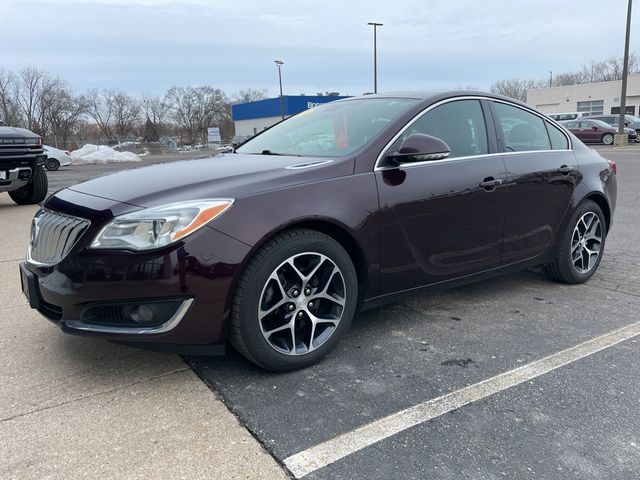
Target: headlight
{"type": "Point", "coordinates": [156, 227]}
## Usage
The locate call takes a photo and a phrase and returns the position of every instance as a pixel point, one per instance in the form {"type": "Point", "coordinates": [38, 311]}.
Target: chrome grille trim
{"type": "Point", "coordinates": [53, 235]}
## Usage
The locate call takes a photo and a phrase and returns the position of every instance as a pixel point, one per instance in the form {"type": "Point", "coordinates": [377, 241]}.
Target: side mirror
{"type": "Point", "coordinates": [419, 147]}
{"type": "Point", "coordinates": [626, 123]}
{"type": "Point", "coordinates": [594, 128]}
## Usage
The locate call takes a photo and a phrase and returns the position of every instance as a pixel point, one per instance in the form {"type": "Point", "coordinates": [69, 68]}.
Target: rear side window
{"type": "Point", "coordinates": [459, 123]}
{"type": "Point", "coordinates": [522, 131]}
{"type": "Point", "coordinates": [558, 139]}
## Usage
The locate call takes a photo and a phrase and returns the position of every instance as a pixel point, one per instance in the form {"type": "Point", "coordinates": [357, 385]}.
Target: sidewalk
{"type": "Point", "coordinates": [82, 408]}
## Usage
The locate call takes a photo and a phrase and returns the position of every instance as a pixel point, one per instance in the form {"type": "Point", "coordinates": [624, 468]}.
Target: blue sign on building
{"type": "Point", "coordinates": [270, 107]}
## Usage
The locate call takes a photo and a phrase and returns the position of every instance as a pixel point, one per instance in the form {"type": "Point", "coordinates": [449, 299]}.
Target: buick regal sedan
{"type": "Point", "coordinates": [343, 207]}
{"type": "Point", "coordinates": [596, 131]}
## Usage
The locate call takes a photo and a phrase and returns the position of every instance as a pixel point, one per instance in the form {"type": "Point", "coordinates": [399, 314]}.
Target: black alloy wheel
{"type": "Point", "coordinates": [581, 246]}
{"type": "Point", "coordinates": [294, 301]}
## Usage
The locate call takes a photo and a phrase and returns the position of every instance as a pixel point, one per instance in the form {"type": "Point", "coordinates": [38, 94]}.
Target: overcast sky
{"type": "Point", "coordinates": [150, 45]}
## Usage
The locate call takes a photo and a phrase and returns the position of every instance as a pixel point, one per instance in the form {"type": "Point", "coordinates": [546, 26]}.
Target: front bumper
{"type": "Point", "coordinates": [197, 274]}
{"type": "Point", "coordinates": [17, 167]}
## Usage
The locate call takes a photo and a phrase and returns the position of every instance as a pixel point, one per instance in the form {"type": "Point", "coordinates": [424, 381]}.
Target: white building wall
{"type": "Point", "coordinates": [254, 125]}
{"type": "Point", "coordinates": [565, 99]}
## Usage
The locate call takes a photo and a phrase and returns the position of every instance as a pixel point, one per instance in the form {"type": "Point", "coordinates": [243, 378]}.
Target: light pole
{"type": "Point", "coordinates": [550, 78]}
{"type": "Point", "coordinates": [375, 55]}
{"type": "Point", "coordinates": [279, 64]}
{"type": "Point", "coordinates": [623, 139]}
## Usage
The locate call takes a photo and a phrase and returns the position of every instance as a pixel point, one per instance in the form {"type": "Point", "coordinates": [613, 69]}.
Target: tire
{"type": "Point", "coordinates": [33, 192]}
{"type": "Point", "coordinates": [580, 237]}
{"type": "Point", "coordinates": [607, 138]}
{"type": "Point", "coordinates": [52, 164]}
{"type": "Point", "coordinates": [271, 323]}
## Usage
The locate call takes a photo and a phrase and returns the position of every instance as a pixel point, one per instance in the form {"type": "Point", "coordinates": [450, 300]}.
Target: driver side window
{"type": "Point", "coordinates": [459, 123]}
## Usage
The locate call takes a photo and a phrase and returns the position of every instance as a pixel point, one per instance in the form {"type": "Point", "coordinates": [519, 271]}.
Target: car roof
{"type": "Point", "coordinates": [436, 95]}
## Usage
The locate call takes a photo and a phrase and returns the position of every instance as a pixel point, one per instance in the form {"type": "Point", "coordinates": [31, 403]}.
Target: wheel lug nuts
{"type": "Point", "coordinates": [295, 292]}
{"type": "Point", "coordinates": [300, 314]}
{"type": "Point", "coordinates": [307, 291]}
{"type": "Point", "coordinates": [310, 304]}
{"type": "Point", "coordinates": [291, 307]}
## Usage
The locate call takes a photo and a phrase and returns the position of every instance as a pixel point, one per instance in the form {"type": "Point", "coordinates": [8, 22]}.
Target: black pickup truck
{"type": "Point", "coordinates": [22, 165]}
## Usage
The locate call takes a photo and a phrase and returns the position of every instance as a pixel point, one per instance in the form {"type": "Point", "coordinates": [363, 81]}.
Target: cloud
{"type": "Point", "coordinates": [149, 45]}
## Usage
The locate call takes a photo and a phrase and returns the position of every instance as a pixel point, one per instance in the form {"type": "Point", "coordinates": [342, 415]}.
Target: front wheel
{"type": "Point", "coordinates": [52, 164]}
{"type": "Point", "coordinates": [294, 301]}
{"type": "Point", "coordinates": [581, 246]}
{"type": "Point", "coordinates": [33, 192]}
{"type": "Point", "coordinates": [607, 138]}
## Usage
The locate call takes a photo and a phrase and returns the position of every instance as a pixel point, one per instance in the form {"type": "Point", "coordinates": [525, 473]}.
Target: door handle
{"type": "Point", "coordinates": [490, 183]}
{"type": "Point", "coordinates": [564, 169]}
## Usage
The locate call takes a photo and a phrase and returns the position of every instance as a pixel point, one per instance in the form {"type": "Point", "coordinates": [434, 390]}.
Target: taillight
{"type": "Point", "coordinates": [612, 164]}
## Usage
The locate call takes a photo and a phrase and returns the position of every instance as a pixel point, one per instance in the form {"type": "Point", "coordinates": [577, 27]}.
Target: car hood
{"type": "Point", "coordinates": [222, 176]}
{"type": "Point", "coordinates": [15, 132]}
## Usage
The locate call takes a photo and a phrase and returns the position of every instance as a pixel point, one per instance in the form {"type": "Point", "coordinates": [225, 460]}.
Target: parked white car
{"type": "Point", "coordinates": [56, 158]}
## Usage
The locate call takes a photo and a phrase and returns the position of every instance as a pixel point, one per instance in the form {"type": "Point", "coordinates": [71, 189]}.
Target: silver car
{"type": "Point", "coordinates": [56, 158]}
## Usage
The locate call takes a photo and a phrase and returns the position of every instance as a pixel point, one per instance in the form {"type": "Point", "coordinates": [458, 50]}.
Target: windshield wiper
{"type": "Point", "coordinates": [269, 152]}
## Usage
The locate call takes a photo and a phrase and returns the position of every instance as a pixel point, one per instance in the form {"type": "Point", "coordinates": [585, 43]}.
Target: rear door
{"type": "Point", "coordinates": [541, 176]}
{"type": "Point", "coordinates": [437, 221]}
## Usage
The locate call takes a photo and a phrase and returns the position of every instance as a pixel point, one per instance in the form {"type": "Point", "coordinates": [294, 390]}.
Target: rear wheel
{"type": "Point", "coordinates": [607, 138]}
{"type": "Point", "coordinates": [581, 246]}
{"type": "Point", "coordinates": [294, 301]}
{"type": "Point", "coordinates": [33, 192]}
{"type": "Point", "coordinates": [52, 164]}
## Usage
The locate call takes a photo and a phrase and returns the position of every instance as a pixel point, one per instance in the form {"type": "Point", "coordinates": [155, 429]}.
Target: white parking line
{"type": "Point", "coordinates": [343, 445]}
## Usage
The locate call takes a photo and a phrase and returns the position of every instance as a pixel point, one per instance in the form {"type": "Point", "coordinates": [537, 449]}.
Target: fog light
{"type": "Point", "coordinates": [128, 314]}
{"type": "Point", "coordinates": [140, 313]}
{"type": "Point", "coordinates": [24, 174]}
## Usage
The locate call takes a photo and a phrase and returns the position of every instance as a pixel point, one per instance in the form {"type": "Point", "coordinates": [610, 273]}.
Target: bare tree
{"type": "Point", "coordinates": [249, 95]}
{"type": "Point", "coordinates": [9, 110]}
{"type": "Point", "coordinates": [155, 110]}
{"type": "Point", "coordinates": [99, 108]}
{"type": "Point", "coordinates": [29, 93]}
{"type": "Point", "coordinates": [126, 114]}
{"type": "Point", "coordinates": [64, 116]}
{"type": "Point", "coordinates": [116, 113]}
{"type": "Point", "coordinates": [195, 109]}
{"type": "Point", "coordinates": [515, 88]}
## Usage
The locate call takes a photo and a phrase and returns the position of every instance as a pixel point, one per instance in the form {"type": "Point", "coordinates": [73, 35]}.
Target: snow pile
{"type": "Point", "coordinates": [101, 154]}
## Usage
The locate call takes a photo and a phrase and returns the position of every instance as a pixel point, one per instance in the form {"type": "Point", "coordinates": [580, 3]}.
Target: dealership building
{"type": "Point", "coordinates": [253, 117]}
{"type": "Point", "coordinates": [600, 98]}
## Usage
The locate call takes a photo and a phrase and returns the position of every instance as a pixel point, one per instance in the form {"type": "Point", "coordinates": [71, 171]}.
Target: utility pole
{"type": "Point", "coordinates": [375, 55]}
{"type": "Point", "coordinates": [550, 79]}
{"type": "Point", "coordinates": [622, 138]}
{"type": "Point", "coordinates": [279, 64]}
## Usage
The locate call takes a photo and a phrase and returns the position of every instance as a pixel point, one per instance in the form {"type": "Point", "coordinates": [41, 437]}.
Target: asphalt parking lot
{"type": "Point", "coordinates": [417, 389]}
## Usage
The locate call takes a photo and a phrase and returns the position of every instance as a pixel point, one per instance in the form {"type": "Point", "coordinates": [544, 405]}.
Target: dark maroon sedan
{"type": "Point", "coordinates": [596, 131]}
{"type": "Point", "coordinates": [341, 208]}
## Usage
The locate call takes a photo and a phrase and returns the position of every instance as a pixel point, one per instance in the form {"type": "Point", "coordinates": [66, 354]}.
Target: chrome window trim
{"type": "Point", "coordinates": [383, 152]}
{"type": "Point", "coordinates": [435, 162]}
{"type": "Point", "coordinates": [165, 327]}
{"type": "Point", "coordinates": [544, 118]}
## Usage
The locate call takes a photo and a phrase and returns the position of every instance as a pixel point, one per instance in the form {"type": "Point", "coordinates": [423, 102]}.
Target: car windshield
{"type": "Point", "coordinates": [333, 129]}
{"type": "Point", "coordinates": [632, 118]}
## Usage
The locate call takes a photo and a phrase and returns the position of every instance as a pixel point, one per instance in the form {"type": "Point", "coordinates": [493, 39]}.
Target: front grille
{"type": "Point", "coordinates": [53, 235]}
